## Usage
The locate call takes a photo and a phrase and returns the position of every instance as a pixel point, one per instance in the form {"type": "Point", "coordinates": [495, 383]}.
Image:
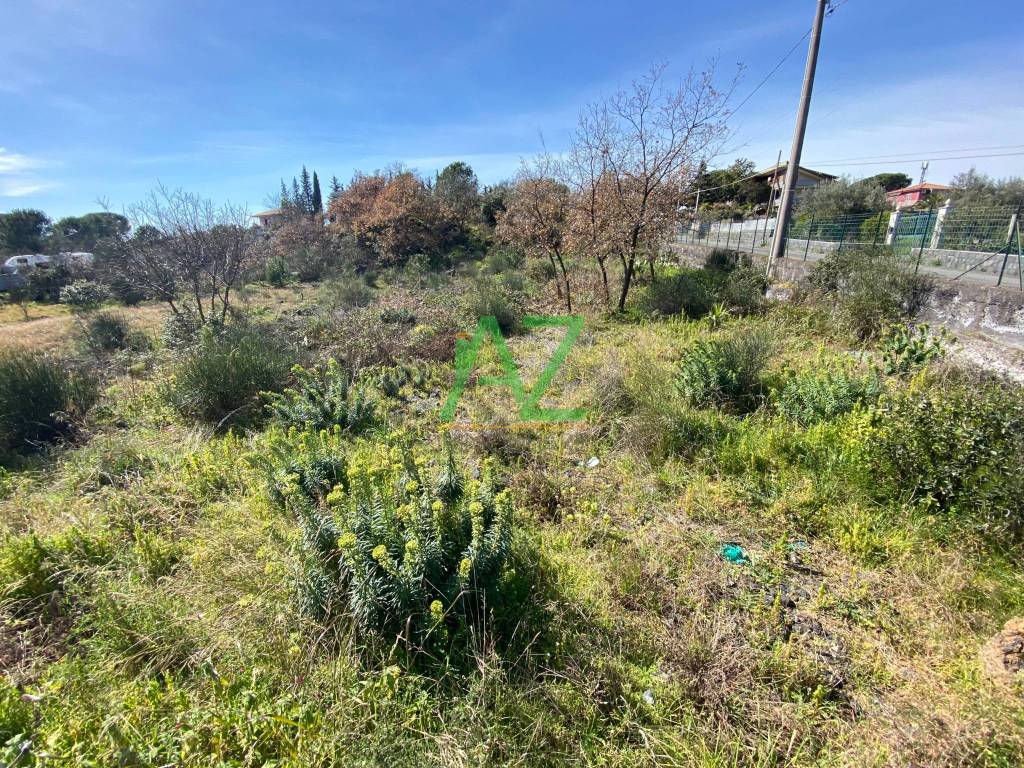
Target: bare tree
{"type": "Point", "coordinates": [536, 217]}
{"type": "Point", "coordinates": [186, 251]}
{"type": "Point", "coordinates": [638, 152]}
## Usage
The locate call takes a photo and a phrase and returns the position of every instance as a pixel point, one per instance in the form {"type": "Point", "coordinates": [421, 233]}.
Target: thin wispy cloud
{"type": "Point", "coordinates": [14, 162]}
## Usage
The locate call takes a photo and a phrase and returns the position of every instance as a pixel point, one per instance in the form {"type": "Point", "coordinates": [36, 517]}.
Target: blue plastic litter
{"type": "Point", "coordinates": [734, 554]}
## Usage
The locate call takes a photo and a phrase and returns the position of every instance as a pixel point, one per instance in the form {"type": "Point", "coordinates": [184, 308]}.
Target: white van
{"type": "Point", "coordinates": [26, 262]}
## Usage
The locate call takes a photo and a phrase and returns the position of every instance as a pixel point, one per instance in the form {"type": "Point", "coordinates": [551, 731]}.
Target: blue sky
{"type": "Point", "coordinates": [102, 99]}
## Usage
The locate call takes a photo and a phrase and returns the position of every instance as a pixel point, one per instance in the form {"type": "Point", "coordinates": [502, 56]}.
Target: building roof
{"type": "Point", "coordinates": [925, 187]}
{"type": "Point", "coordinates": [271, 212]}
{"type": "Point", "coordinates": [780, 169]}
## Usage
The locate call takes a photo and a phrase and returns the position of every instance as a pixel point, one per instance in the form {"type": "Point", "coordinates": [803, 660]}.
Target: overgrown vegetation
{"type": "Point", "coordinates": [781, 535]}
{"type": "Point", "coordinates": [41, 400]}
{"type": "Point", "coordinates": [218, 381]}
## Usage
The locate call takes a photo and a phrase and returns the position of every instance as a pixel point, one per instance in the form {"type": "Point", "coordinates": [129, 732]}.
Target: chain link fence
{"type": "Point", "coordinates": [980, 245]}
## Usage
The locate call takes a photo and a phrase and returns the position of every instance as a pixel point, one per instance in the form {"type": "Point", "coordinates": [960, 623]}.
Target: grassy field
{"type": "Point", "coordinates": [759, 575]}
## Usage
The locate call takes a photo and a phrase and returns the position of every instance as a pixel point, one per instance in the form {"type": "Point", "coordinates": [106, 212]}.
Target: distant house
{"type": "Point", "coordinates": [805, 179]}
{"type": "Point", "coordinates": [270, 218]}
{"type": "Point", "coordinates": [910, 196]}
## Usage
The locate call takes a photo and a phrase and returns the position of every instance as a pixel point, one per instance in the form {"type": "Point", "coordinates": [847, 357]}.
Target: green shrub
{"type": "Point", "coordinates": [721, 260]}
{"type": "Point", "coordinates": [870, 289]}
{"type": "Point", "coordinates": [497, 298]}
{"type": "Point", "coordinates": [392, 380]}
{"type": "Point", "coordinates": [345, 292]}
{"type": "Point", "coordinates": [501, 259]}
{"type": "Point", "coordinates": [321, 399]}
{"type": "Point", "coordinates": [413, 556]}
{"type": "Point", "coordinates": [815, 395]}
{"type": "Point", "coordinates": [687, 291]}
{"type": "Point", "coordinates": [957, 450]}
{"type": "Point", "coordinates": [40, 400]}
{"type": "Point", "coordinates": [397, 316]}
{"type": "Point", "coordinates": [83, 294]}
{"type": "Point", "coordinates": [905, 349]}
{"type": "Point", "coordinates": [106, 332]}
{"type": "Point", "coordinates": [743, 290]}
{"type": "Point", "coordinates": [219, 380]}
{"type": "Point", "coordinates": [726, 371]}
{"type": "Point", "coordinates": [111, 332]}
{"type": "Point", "coordinates": [276, 272]}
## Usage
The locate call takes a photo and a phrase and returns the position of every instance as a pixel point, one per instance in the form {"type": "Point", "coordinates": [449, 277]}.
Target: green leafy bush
{"type": "Point", "coordinates": [276, 271]}
{"type": "Point", "coordinates": [814, 395]}
{"type": "Point", "coordinates": [83, 294]}
{"type": "Point", "coordinates": [687, 291]}
{"type": "Point", "coordinates": [495, 296]}
{"type": "Point", "coordinates": [40, 400]}
{"type": "Point", "coordinates": [725, 371]}
{"type": "Point", "coordinates": [321, 399]}
{"type": "Point", "coordinates": [346, 291]}
{"type": "Point", "coordinates": [743, 290]}
{"type": "Point", "coordinates": [111, 332]}
{"type": "Point", "coordinates": [392, 380]}
{"type": "Point", "coordinates": [958, 449]}
{"type": "Point", "coordinates": [869, 288]}
{"type": "Point", "coordinates": [905, 349]}
{"type": "Point", "coordinates": [106, 332]}
{"type": "Point", "coordinates": [721, 260]}
{"type": "Point", "coordinates": [414, 556]}
{"type": "Point", "coordinates": [219, 380]}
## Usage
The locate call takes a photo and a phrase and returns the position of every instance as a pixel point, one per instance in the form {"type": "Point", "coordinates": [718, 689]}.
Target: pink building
{"type": "Point", "coordinates": [912, 195]}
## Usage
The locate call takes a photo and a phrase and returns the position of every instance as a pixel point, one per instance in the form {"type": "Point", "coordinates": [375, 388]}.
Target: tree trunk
{"type": "Point", "coordinates": [554, 268]}
{"type": "Point", "coordinates": [627, 278]}
{"type": "Point", "coordinates": [565, 279]}
{"type": "Point", "coordinates": [604, 280]}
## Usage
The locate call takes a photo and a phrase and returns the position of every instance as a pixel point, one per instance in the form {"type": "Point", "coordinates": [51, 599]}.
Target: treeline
{"type": "Point", "coordinates": [26, 230]}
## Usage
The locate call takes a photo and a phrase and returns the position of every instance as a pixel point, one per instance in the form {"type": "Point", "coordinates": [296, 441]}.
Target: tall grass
{"type": "Point", "coordinates": [41, 400]}
{"type": "Point", "coordinates": [219, 380]}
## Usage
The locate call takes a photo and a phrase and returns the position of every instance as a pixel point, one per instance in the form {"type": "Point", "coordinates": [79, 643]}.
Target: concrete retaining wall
{"type": "Point", "coordinates": [956, 304]}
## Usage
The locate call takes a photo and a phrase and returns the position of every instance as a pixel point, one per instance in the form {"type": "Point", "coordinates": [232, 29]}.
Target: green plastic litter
{"type": "Point", "coordinates": [734, 554]}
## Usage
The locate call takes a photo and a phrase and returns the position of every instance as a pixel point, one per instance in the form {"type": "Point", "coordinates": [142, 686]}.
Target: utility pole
{"type": "Point", "coordinates": [771, 197]}
{"type": "Point", "coordinates": [793, 168]}
{"type": "Point", "coordinates": [924, 170]}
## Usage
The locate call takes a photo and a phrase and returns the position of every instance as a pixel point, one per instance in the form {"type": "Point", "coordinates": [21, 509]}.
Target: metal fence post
{"type": "Point", "coordinates": [1009, 241]}
{"type": "Point", "coordinates": [728, 235]}
{"type": "Point", "coordinates": [842, 237]}
{"type": "Point", "coordinates": [924, 236]}
{"type": "Point", "coordinates": [810, 228]}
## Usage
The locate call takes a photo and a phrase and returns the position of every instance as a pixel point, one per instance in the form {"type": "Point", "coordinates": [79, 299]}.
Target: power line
{"type": "Point", "coordinates": [919, 159]}
{"type": "Point", "coordinates": [772, 72]}
{"type": "Point", "coordinates": [917, 155]}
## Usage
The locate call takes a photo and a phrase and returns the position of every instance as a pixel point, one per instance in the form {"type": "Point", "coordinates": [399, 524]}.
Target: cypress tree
{"type": "Point", "coordinates": [285, 201]}
{"type": "Point", "coordinates": [335, 187]}
{"type": "Point", "coordinates": [318, 203]}
{"type": "Point", "coordinates": [296, 195]}
{"type": "Point", "coordinates": [307, 192]}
